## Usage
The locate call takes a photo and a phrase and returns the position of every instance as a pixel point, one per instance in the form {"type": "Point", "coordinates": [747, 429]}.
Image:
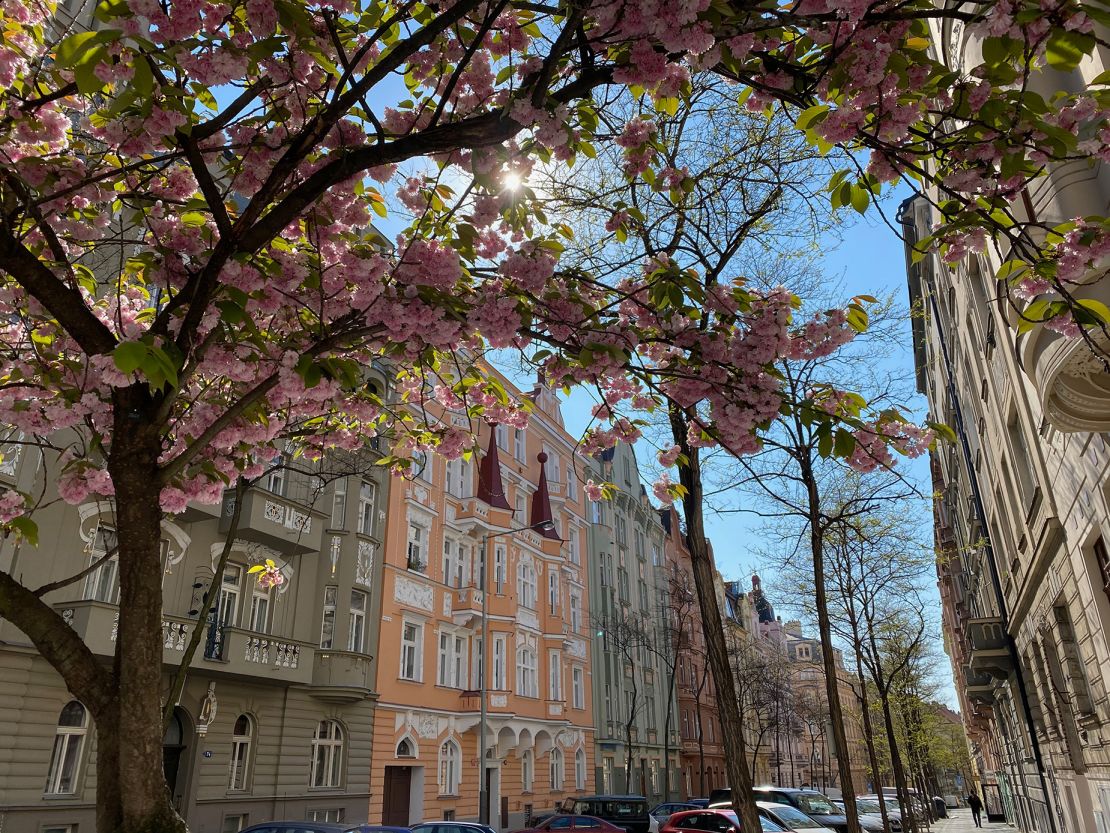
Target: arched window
{"type": "Point", "coordinates": [240, 753]}
{"type": "Point", "coordinates": [527, 684]}
{"type": "Point", "coordinates": [556, 764]}
{"type": "Point", "coordinates": [580, 769]}
{"type": "Point", "coordinates": [527, 770]}
{"type": "Point", "coordinates": [450, 761]}
{"type": "Point", "coordinates": [405, 749]}
{"type": "Point", "coordinates": [69, 740]}
{"type": "Point", "coordinates": [327, 754]}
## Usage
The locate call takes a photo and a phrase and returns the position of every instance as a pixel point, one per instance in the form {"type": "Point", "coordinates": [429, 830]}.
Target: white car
{"type": "Point", "coordinates": [893, 810]}
{"type": "Point", "coordinates": [791, 818]}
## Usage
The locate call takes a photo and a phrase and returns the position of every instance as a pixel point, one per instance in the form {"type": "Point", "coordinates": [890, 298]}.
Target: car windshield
{"type": "Point", "coordinates": [867, 806]}
{"type": "Point", "coordinates": [793, 818]}
{"type": "Point", "coordinates": [622, 809]}
{"type": "Point", "coordinates": [769, 826]}
{"type": "Point", "coordinates": [816, 803]}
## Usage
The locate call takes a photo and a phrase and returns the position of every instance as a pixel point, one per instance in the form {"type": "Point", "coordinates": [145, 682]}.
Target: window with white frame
{"type": "Point", "coordinates": [502, 436]}
{"type": "Point", "coordinates": [595, 511]}
{"type": "Point", "coordinates": [456, 556]}
{"type": "Point", "coordinates": [334, 814]}
{"type": "Point", "coordinates": [11, 449]}
{"type": "Point", "coordinates": [233, 823]}
{"type": "Point", "coordinates": [227, 603]}
{"type": "Point", "coordinates": [327, 754]}
{"type": "Point", "coordinates": [608, 702]}
{"type": "Point", "coordinates": [458, 478]}
{"type": "Point", "coordinates": [420, 465]}
{"type": "Point", "coordinates": [412, 651]}
{"type": "Point", "coordinates": [655, 555]}
{"type": "Point", "coordinates": [553, 470]}
{"type": "Point", "coordinates": [69, 741]}
{"type": "Point", "coordinates": [417, 557]}
{"type": "Point", "coordinates": [366, 508]}
{"type": "Point", "coordinates": [339, 503]}
{"type": "Point", "coordinates": [275, 480]}
{"type": "Point", "coordinates": [526, 585]}
{"type": "Point", "coordinates": [556, 768]}
{"type": "Point", "coordinates": [577, 687]}
{"type": "Point", "coordinates": [500, 570]}
{"type": "Point", "coordinates": [580, 769]}
{"type": "Point", "coordinates": [653, 775]}
{"type": "Point", "coordinates": [521, 511]}
{"type": "Point", "coordinates": [572, 544]}
{"type": "Point", "coordinates": [527, 684]}
{"type": "Point", "coordinates": [327, 625]}
{"type": "Point", "coordinates": [102, 585]}
{"type": "Point", "coordinates": [356, 639]}
{"type": "Point", "coordinates": [260, 608]}
{"type": "Point", "coordinates": [450, 768]}
{"type": "Point", "coordinates": [575, 611]}
{"type": "Point", "coordinates": [553, 590]}
{"type": "Point", "coordinates": [607, 775]}
{"type": "Point", "coordinates": [572, 483]}
{"type": "Point", "coordinates": [639, 545]}
{"type": "Point", "coordinates": [649, 702]}
{"type": "Point", "coordinates": [622, 531]}
{"type": "Point", "coordinates": [451, 667]}
{"type": "Point", "coordinates": [527, 770]}
{"type": "Point", "coordinates": [499, 654]}
{"type": "Point", "coordinates": [554, 676]}
{"type": "Point", "coordinates": [520, 444]}
{"type": "Point", "coordinates": [478, 661]}
{"type": "Point", "coordinates": [240, 753]}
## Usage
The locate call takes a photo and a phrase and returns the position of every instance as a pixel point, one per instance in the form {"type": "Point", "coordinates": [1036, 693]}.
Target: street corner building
{"type": "Point", "coordinates": [511, 528]}
{"type": "Point", "coordinates": [1022, 515]}
{"type": "Point", "coordinates": [277, 710]}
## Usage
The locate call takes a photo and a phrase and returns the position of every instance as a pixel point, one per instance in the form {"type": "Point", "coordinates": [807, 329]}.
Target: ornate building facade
{"type": "Point", "coordinates": [457, 530]}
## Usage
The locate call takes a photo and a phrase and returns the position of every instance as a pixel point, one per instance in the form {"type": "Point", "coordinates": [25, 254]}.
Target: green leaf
{"type": "Point", "coordinates": [1100, 311]}
{"type": "Point", "coordinates": [1066, 49]}
{"type": "Point", "coordinates": [807, 118]}
{"type": "Point", "coordinates": [844, 444]}
{"type": "Point", "coordinates": [129, 356]}
{"type": "Point", "coordinates": [861, 199]}
{"type": "Point", "coordinates": [943, 431]}
{"type": "Point", "coordinates": [27, 528]}
{"type": "Point", "coordinates": [74, 48]}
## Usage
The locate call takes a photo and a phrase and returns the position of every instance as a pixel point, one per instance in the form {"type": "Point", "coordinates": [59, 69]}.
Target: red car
{"type": "Point", "coordinates": [573, 824]}
{"type": "Point", "coordinates": [712, 821]}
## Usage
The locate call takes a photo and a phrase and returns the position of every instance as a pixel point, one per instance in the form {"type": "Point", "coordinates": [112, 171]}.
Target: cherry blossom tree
{"type": "Point", "coordinates": [191, 279]}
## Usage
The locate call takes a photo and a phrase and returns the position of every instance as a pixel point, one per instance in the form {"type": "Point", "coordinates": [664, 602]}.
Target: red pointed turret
{"type": "Point", "coordinates": [490, 488]}
{"type": "Point", "coordinates": [542, 520]}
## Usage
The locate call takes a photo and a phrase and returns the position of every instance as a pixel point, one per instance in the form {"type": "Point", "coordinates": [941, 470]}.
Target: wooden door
{"type": "Point", "coordinates": [395, 807]}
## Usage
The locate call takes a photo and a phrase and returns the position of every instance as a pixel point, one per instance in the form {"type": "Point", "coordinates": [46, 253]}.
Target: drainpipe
{"type": "Point", "coordinates": [905, 217]}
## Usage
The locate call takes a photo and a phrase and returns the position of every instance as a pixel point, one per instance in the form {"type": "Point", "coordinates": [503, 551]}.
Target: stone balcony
{"type": "Point", "coordinates": [989, 652]}
{"type": "Point", "coordinates": [341, 676]}
{"type": "Point", "coordinates": [97, 623]}
{"type": "Point", "coordinates": [275, 522]}
{"type": "Point", "coordinates": [979, 687]}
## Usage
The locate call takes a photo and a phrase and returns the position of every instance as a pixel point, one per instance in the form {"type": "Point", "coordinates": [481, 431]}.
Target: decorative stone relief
{"type": "Point", "coordinates": [336, 543]}
{"type": "Point", "coordinates": [576, 648]}
{"type": "Point", "coordinates": [413, 594]}
{"type": "Point", "coordinates": [424, 725]}
{"type": "Point", "coordinates": [527, 618]}
{"type": "Point", "coordinates": [448, 598]}
{"type": "Point", "coordinates": [67, 616]}
{"type": "Point", "coordinates": [364, 568]}
{"type": "Point", "coordinates": [498, 701]}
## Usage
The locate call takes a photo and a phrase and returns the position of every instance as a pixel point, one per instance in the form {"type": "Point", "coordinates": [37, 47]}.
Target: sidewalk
{"type": "Point", "coordinates": [960, 821]}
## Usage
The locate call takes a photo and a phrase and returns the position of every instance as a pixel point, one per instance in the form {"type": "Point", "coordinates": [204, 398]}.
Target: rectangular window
{"type": "Point", "coordinates": [326, 815]}
{"type": "Point", "coordinates": [607, 775]}
{"type": "Point", "coordinates": [327, 628]}
{"type": "Point", "coordinates": [595, 511]}
{"type": "Point", "coordinates": [503, 437]}
{"type": "Point", "coordinates": [572, 483]}
{"type": "Point", "coordinates": [622, 531]}
{"type": "Point", "coordinates": [339, 504]}
{"type": "Point", "coordinates": [499, 664]}
{"type": "Point", "coordinates": [356, 640]}
{"type": "Point", "coordinates": [412, 638]}
{"type": "Point", "coordinates": [500, 556]}
{"type": "Point", "coordinates": [102, 584]}
{"type": "Point", "coordinates": [554, 676]}
{"type": "Point", "coordinates": [608, 702]}
{"type": "Point", "coordinates": [227, 605]}
{"type": "Point", "coordinates": [233, 824]}
{"type": "Point", "coordinates": [451, 669]}
{"type": "Point", "coordinates": [1103, 560]}
{"type": "Point", "coordinates": [417, 543]}
{"type": "Point", "coordinates": [630, 703]}
{"type": "Point", "coordinates": [575, 611]}
{"type": "Point", "coordinates": [275, 480]}
{"type": "Point", "coordinates": [526, 586]}
{"type": "Point", "coordinates": [458, 478]}
{"type": "Point", "coordinates": [578, 688]}
{"type": "Point", "coordinates": [260, 610]}
{"type": "Point", "coordinates": [521, 511]}
{"type": "Point", "coordinates": [479, 662]}
{"type": "Point", "coordinates": [366, 508]}
{"type": "Point", "coordinates": [520, 444]}
{"type": "Point", "coordinates": [449, 562]}
{"type": "Point", "coordinates": [655, 555]}
{"type": "Point", "coordinates": [650, 711]}
{"type": "Point", "coordinates": [639, 544]}
{"type": "Point", "coordinates": [553, 590]}
{"type": "Point", "coordinates": [572, 545]}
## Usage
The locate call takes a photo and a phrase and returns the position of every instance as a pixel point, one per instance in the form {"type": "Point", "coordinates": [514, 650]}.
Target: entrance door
{"type": "Point", "coordinates": [173, 745]}
{"type": "Point", "coordinates": [395, 807]}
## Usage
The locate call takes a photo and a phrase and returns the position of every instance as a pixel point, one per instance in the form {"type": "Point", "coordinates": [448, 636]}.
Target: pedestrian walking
{"type": "Point", "coordinates": [976, 805]}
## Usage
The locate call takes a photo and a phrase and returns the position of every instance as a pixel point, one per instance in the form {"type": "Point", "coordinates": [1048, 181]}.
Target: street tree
{"type": "Point", "coordinates": [191, 278]}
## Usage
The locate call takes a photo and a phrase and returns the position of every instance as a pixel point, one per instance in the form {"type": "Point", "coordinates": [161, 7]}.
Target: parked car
{"type": "Point", "coordinates": [893, 809]}
{"type": "Point", "coordinates": [713, 821]}
{"type": "Point", "coordinates": [628, 812]}
{"type": "Point", "coordinates": [662, 812]}
{"type": "Point", "coordinates": [814, 804]}
{"type": "Point", "coordinates": [790, 818]}
{"type": "Point", "coordinates": [444, 827]}
{"type": "Point", "coordinates": [571, 823]}
{"type": "Point", "coordinates": [699, 802]}
{"type": "Point", "coordinates": [868, 813]}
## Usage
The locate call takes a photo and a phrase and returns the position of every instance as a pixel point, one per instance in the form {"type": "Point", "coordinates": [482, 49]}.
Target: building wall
{"type": "Point", "coordinates": [1043, 491]}
{"type": "Point", "coordinates": [423, 716]}
{"type": "Point", "coordinates": [270, 668]}
{"type": "Point", "coordinates": [628, 584]}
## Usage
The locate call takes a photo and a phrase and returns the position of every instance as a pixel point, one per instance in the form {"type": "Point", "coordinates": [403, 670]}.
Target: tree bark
{"type": "Point", "coordinates": [732, 725]}
{"type": "Point", "coordinates": [133, 464]}
{"type": "Point", "coordinates": [832, 690]}
{"type": "Point", "coordinates": [872, 755]}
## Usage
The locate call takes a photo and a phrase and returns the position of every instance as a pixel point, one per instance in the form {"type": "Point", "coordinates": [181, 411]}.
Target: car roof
{"type": "Point", "coordinates": [772, 805]}
{"type": "Point", "coordinates": [609, 798]}
{"type": "Point", "coordinates": [323, 826]}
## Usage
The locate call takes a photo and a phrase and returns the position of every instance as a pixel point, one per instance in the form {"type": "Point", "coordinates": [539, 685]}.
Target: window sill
{"type": "Point", "coordinates": [407, 680]}
{"type": "Point", "coordinates": [334, 789]}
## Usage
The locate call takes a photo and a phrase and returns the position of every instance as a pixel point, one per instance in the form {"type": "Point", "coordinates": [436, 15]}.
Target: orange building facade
{"type": "Point", "coordinates": [539, 736]}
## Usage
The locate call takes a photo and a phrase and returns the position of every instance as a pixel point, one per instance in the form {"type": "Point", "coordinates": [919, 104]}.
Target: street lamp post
{"type": "Point", "coordinates": [483, 789]}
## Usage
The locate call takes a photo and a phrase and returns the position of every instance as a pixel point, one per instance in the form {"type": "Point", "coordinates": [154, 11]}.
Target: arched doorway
{"type": "Point", "coordinates": [174, 757]}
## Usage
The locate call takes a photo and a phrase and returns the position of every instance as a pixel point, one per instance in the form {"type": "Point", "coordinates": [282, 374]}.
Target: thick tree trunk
{"type": "Point", "coordinates": [732, 725]}
{"type": "Point", "coordinates": [108, 799]}
{"type": "Point", "coordinates": [909, 818]}
{"type": "Point", "coordinates": [832, 690]}
{"type": "Point", "coordinates": [133, 464]}
{"type": "Point", "coordinates": [872, 754]}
